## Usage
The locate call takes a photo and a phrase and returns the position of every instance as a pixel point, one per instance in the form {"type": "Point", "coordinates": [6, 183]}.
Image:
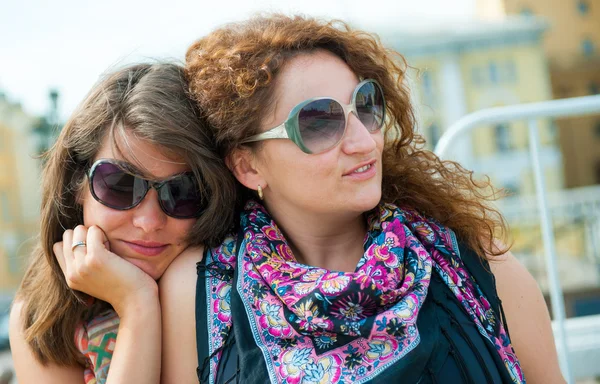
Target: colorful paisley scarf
{"type": "Point", "coordinates": [322, 326]}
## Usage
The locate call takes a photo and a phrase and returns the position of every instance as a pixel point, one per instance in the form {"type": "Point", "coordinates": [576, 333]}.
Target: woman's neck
{"type": "Point", "coordinates": [333, 242]}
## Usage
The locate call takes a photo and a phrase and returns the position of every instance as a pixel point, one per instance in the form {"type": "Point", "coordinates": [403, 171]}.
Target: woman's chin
{"type": "Point", "coordinates": [367, 201]}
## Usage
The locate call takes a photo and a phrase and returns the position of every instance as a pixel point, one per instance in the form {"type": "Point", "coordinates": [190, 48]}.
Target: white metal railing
{"type": "Point", "coordinates": [574, 210]}
{"type": "Point", "coordinates": [574, 202]}
{"type": "Point", "coordinates": [578, 106]}
{"type": "Point", "coordinates": [583, 340]}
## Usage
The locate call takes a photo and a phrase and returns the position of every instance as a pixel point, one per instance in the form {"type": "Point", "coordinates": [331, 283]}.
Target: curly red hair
{"type": "Point", "coordinates": [232, 72]}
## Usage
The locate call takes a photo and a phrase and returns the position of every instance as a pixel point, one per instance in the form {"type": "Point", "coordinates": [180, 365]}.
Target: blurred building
{"type": "Point", "coordinates": [463, 68]}
{"type": "Point", "coordinates": [459, 69]}
{"type": "Point", "coordinates": [572, 45]}
{"type": "Point", "coordinates": [19, 191]}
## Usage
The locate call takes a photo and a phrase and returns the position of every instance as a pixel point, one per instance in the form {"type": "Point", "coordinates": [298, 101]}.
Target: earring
{"type": "Point", "coordinates": [259, 191]}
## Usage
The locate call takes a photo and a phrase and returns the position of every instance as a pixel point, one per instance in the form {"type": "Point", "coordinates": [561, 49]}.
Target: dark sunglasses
{"type": "Point", "coordinates": [111, 185]}
{"type": "Point", "coordinates": [318, 124]}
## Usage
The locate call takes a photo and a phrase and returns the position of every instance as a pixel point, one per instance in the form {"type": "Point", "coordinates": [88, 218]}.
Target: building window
{"type": "Point", "coordinates": [563, 91]}
{"type": "Point", "coordinates": [510, 71]}
{"type": "Point", "coordinates": [477, 76]}
{"type": "Point", "coordinates": [493, 68]}
{"type": "Point", "coordinates": [5, 207]}
{"type": "Point", "coordinates": [434, 133]}
{"type": "Point", "coordinates": [13, 264]}
{"type": "Point", "coordinates": [502, 135]}
{"type": "Point", "coordinates": [428, 93]}
{"type": "Point", "coordinates": [552, 131]}
{"type": "Point", "coordinates": [527, 12]}
{"type": "Point", "coordinates": [594, 89]}
{"type": "Point", "coordinates": [427, 83]}
{"type": "Point", "coordinates": [512, 188]}
{"type": "Point", "coordinates": [587, 46]}
{"type": "Point", "coordinates": [503, 72]}
{"type": "Point", "coordinates": [10, 245]}
{"type": "Point", "coordinates": [583, 7]}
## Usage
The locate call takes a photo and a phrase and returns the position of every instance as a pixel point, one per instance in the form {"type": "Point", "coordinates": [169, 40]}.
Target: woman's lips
{"type": "Point", "coordinates": [146, 248]}
{"type": "Point", "coordinates": [364, 171]}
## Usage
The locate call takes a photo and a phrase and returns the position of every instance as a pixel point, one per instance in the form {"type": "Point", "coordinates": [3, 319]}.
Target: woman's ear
{"type": "Point", "coordinates": [243, 164]}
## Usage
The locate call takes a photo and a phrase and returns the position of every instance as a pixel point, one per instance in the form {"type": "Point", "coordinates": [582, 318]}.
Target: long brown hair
{"type": "Point", "coordinates": [232, 74]}
{"type": "Point", "coordinates": [151, 101]}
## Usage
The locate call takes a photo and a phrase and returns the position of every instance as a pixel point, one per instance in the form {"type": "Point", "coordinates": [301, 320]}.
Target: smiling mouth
{"type": "Point", "coordinates": [147, 249]}
{"type": "Point", "coordinates": [363, 169]}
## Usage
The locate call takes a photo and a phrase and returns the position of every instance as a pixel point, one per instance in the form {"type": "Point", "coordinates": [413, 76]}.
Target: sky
{"type": "Point", "coordinates": [67, 44]}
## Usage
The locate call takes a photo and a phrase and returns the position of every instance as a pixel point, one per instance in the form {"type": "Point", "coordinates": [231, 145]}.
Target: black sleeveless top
{"type": "Point", "coordinates": [451, 349]}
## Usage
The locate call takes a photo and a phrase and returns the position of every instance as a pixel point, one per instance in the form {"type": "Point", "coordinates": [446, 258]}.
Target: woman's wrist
{"type": "Point", "coordinates": [140, 302]}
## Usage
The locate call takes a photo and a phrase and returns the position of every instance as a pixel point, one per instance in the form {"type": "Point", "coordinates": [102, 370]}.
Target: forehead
{"type": "Point", "coordinates": [317, 74]}
{"type": "Point", "coordinates": [154, 161]}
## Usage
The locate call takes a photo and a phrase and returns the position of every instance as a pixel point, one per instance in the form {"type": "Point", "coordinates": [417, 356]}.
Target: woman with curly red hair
{"type": "Point", "coordinates": [359, 257]}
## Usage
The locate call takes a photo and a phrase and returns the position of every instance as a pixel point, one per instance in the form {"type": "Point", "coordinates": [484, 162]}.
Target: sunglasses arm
{"type": "Point", "coordinates": [279, 132]}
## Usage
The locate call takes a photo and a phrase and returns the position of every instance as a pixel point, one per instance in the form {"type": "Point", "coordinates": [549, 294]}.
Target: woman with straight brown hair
{"type": "Point", "coordinates": [359, 257]}
{"type": "Point", "coordinates": [132, 180]}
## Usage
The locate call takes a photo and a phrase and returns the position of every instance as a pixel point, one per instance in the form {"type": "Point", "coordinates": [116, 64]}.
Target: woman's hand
{"type": "Point", "coordinates": [93, 269]}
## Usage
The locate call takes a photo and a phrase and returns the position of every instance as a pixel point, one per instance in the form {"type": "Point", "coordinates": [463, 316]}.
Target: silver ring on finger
{"type": "Point", "coordinates": [78, 244]}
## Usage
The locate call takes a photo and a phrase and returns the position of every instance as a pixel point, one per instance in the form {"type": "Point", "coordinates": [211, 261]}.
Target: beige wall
{"type": "Point", "coordinates": [19, 194]}
{"type": "Point", "coordinates": [569, 27]}
{"type": "Point", "coordinates": [9, 211]}
{"type": "Point", "coordinates": [528, 83]}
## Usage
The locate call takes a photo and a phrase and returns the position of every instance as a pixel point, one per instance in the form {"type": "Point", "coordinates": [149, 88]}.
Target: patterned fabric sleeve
{"type": "Point", "coordinates": [96, 340]}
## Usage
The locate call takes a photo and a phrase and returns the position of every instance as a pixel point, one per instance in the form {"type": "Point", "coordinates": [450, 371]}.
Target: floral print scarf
{"type": "Point", "coordinates": [314, 325]}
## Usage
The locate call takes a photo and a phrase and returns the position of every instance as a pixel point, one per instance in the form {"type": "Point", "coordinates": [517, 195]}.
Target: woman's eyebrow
{"type": "Point", "coordinates": [129, 167]}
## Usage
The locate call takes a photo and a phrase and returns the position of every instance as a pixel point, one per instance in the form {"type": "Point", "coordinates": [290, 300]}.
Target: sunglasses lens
{"type": "Point", "coordinates": [116, 188]}
{"type": "Point", "coordinates": [321, 124]}
{"type": "Point", "coordinates": [370, 106]}
{"type": "Point", "coordinates": [181, 197]}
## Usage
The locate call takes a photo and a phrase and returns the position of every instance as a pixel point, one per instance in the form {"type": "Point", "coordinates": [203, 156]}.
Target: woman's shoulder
{"type": "Point", "coordinates": [182, 270]}
{"type": "Point", "coordinates": [177, 285]}
{"type": "Point", "coordinates": [177, 299]}
{"type": "Point", "coordinates": [511, 277]}
{"type": "Point", "coordinates": [27, 367]}
{"type": "Point", "coordinates": [16, 323]}
{"type": "Point", "coordinates": [516, 286]}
